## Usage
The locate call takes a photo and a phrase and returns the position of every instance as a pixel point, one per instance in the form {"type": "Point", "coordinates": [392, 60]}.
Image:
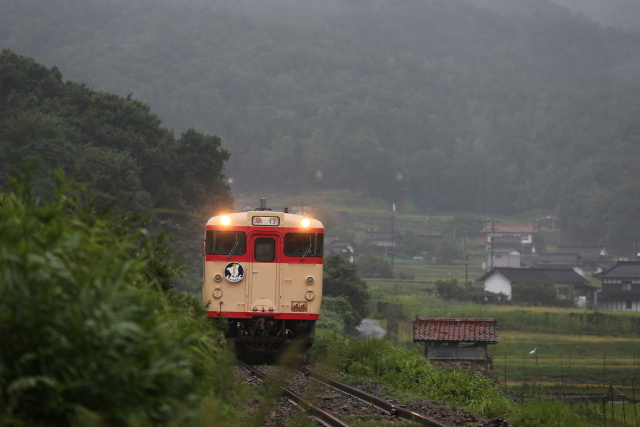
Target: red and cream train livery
{"type": "Point", "coordinates": [263, 274]}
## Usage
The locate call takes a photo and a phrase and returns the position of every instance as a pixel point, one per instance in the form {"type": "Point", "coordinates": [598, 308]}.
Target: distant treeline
{"type": "Point", "coordinates": [443, 104]}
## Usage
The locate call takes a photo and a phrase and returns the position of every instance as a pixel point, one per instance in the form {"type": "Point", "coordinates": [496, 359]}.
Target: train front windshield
{"type": "Point", "coordinates": [225, 242]}
{"type": "Point", "coordinates": [304, 244]}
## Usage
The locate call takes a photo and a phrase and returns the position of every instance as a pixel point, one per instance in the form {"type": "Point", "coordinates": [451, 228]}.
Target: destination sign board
{"type": "Point", "coordinates": [265, 220]}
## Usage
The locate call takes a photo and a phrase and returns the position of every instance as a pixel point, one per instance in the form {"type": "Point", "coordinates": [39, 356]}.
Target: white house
{"type": "Point", "coordinates": [501, 280]}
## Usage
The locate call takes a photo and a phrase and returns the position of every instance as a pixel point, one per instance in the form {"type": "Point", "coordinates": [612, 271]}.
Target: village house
{"type": "Point", "coordinates": [504, 258]}
{"type": "Point", "coordinates": [501, 280]}
{"type": "Point", "coordinates": [500, 237]}
{"type": "Point", "coordinates": [384, 241]}
{"type": "Point", "coordinates": [620, 287]}
{"type": "Point", "coordinates": [560, 261]}
{"type": "Point", "coordinates": [333, 245]}
{"type": "Point", "coordinates": [593, 258]}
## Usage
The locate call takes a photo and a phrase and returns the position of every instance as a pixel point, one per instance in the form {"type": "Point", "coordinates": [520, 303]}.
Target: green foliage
{"type": "Point", "coordinates": [114, 143]}
{"type": "Point", "coordinates": [404, 370]}
{"type": "Point", "coordinates": [374, 267]}
{"type": "Point", "coordinates": [408, 373]}
{"type": "Point", "coordinates": [117, 146]}
{"type": "Point", "coordinates": [514, 318]}
{"type": "Point", "coordinates": [328, 347]}
{"type": "Point", "coordinates": [85, 330]}
{"type": "Point", "coordinates": [323, 95]}
{"type": "Point", "coordinates": [534, 293]}
{"type": "Point", "coordinates": [341, 279]}
{"type": "Point", "coordinates": [338, 313]}
{"type": "Point", "coordinates": [449, 289]}
{"type": "Point", "coordinates": [552, 413]}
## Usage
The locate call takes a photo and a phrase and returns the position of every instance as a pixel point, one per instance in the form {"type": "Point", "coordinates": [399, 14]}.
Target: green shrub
{"type": "Point", "coordinates": [408, 371]}
{"type": "Point", "coordinates": [85, 334]}
{"type": "Point", "coordinates": [328, 347]}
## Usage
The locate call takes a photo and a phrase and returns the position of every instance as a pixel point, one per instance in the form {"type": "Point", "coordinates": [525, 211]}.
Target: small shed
{"type": "Point", "coordinates": [449, 341]}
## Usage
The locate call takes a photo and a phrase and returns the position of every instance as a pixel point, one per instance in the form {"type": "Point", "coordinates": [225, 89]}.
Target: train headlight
{"type": "Point", "coordinates": [310, 295]}
{"type": "Point", "coordinates": [310, 280]}
{"type": "Point", "coordinates": [305, 222]}
{"type": "Point", "coordinates": [217, 277]}
{"type": "Point", "coordinates": [225, 220]}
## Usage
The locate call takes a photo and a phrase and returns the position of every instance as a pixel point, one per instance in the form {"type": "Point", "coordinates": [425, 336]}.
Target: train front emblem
{"type": "Point", "coordinates": [234, 272]}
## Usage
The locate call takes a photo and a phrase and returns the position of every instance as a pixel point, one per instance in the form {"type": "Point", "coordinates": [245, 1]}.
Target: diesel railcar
{"type": "Point", "coordinates": [262, 277]}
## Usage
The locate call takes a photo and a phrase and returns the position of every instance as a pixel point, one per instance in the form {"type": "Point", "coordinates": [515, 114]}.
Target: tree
{"type": "Point", "coordinates": [534, 293]}
{"type": "Point", "coordinates": [341, 279]}
{"type": "Point", "coordinates": [449, 289]}
{"type": "Point", "coordinates": [374, 267]}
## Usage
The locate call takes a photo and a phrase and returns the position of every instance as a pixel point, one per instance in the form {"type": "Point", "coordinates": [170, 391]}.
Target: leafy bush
{"type": "Point", "coordinates": [340, 279]}
{"type": "Point", "coordinates": [373, 266]}
{"type": "Point", "coordinates": [535, 293]}
{"type": "Point", "coordinates": [408, 371]}
{"type": "Point", "coordinates": [328, 347]}
{"type": "Point", "coordinates": [449, 289]}
{"type": "Point", "coordinates": [337, 314]}
{"type": "Point", "coordinates": [85, 334]}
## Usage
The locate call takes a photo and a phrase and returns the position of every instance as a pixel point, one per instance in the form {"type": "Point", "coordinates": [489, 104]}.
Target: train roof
{"type": "Point", "coordinates": [266, 218]}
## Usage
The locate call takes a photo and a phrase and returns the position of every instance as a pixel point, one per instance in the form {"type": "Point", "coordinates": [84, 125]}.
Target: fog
{"type": "Point", "coordinates": [623, 14]}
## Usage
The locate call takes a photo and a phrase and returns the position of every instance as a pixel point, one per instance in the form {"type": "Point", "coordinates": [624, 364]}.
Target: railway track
{"type": "Point", "coordinates": [334, 401]}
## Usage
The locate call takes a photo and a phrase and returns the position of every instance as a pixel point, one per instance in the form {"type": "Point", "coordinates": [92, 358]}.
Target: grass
{"type": "Point", "coordinates": [407, 376]}
{"type": "Point", "coordinates": [567, 363]}
{"type": "Point", "coordinates": [578, 351]}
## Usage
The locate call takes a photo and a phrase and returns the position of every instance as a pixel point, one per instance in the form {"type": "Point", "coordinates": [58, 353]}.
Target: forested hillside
{"type": "Point", "coordinates": [449, 105]}
{"type": "Point", "coordinates": [113, 143]}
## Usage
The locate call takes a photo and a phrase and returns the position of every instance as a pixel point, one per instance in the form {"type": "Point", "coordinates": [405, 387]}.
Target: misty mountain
{"type": "Point", "coordinates": [621, 14]}
{"type": "Point", "coordinates": [450, 105]}
{"type": "Point", "coordinates": [624, 14]}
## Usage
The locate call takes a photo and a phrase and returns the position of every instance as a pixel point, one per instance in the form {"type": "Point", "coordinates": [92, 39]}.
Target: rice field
{"type": "Point", "coordinates": [567, 363]}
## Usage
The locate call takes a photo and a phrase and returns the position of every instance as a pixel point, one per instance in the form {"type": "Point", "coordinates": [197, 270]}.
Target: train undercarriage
{"type": "Point", "coordinates": [269, 336]}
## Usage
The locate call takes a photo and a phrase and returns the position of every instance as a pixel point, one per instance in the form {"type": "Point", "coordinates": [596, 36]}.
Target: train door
{"type": "Point", "coordinates": [264, 290]}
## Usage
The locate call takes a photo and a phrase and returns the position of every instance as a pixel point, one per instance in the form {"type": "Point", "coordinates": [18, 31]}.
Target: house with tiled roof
{"type": "Point", "coordinates": [560, 261]}
{"type": "Point", "coordinates": [501, 280]}
{"type": "Point", "coordinates": [620, 287]}
{"type": "Point", "coordinates": [456, 339]}
{"type": "Point", "coordinates": [517, 237]}
{"type": "Point", "coordinates": [593, 258]}
{"type": "Point", "coordinates": [333, 245]}
{"type": "Point", "coordinates": [384, 242]}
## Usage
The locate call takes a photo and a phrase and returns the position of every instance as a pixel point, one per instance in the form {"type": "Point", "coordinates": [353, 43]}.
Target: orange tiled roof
{"type": "Point", "coordinates": [455, 330]}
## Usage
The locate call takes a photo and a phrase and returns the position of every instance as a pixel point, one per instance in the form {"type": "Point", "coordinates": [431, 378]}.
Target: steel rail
{"type": "Point", "coordinates": [380, 403]}
{"type": "Point", "coordinates": [322, 416]}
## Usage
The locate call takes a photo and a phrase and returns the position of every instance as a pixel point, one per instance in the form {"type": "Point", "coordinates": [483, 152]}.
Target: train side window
{"type": "Point", "coordinates": [265, 249]}
{"type": "Point", "coordinates": [225, 242]}
{"type": "Point", "coordinates": [304, 244]}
